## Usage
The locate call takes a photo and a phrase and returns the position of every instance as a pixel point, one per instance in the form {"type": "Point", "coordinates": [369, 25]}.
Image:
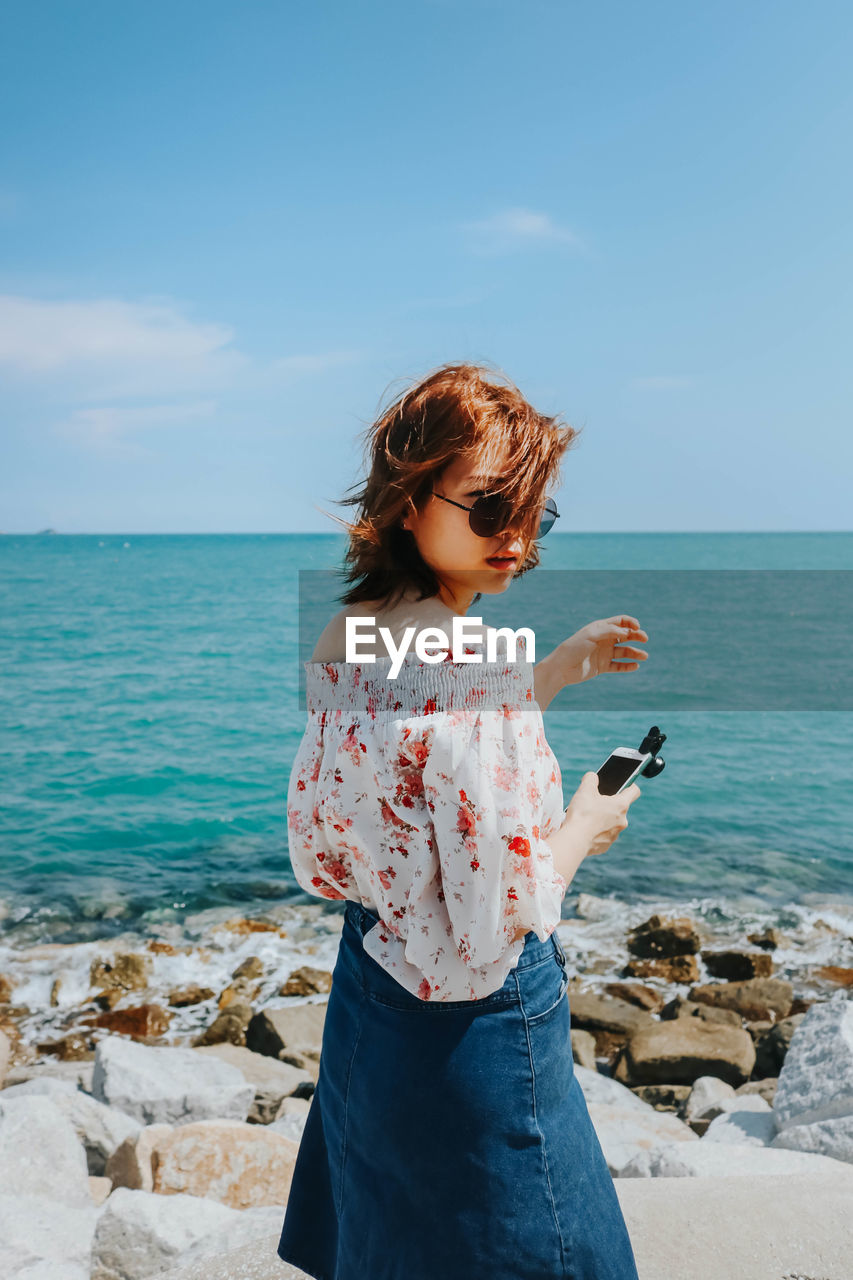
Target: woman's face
{"type": "Point", "coordinates": [462, 561]}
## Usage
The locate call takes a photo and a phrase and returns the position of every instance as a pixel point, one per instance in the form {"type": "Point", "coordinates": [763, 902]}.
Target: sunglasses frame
{"type": "Point", "coordinates": [484, 498]}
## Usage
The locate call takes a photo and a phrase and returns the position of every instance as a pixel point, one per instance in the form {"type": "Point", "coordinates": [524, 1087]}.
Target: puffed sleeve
{"type": "Point", "coordinates": [316, 867]}
{"type": "Point", "coordinates": [484, 783]}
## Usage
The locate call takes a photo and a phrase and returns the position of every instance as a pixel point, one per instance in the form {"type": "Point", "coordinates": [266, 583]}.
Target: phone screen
{"type": "Point", "coordinates": [614, 772]}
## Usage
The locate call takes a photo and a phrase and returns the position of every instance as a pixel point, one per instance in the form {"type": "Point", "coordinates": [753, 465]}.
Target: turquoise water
{"type": "Point", "coordinates": [150, 714]}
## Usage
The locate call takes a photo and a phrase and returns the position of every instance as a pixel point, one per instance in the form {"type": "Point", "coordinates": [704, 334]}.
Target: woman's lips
{"type": "Point", "coordinates": [501, 562]}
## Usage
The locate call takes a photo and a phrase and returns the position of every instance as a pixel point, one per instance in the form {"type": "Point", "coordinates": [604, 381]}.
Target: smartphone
{"type": "Point", "coordinates": [620, 769]}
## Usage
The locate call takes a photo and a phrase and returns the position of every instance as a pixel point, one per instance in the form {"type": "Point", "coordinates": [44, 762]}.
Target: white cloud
{"type": "Point", "coordinates": [115, 348]}
{"type": "Point", "coordinates": [515, 228]}
{"type": "Point", "coordinates": [661, 382]}
{"type": "Point", "coordinates": [108, 430]}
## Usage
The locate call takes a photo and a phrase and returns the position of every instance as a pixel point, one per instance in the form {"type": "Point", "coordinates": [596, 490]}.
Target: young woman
{"type": "Point", "coordinates": [448, 1137]}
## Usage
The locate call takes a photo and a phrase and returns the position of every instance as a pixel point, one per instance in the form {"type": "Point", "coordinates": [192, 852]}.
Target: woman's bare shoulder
{"type": "Point", "coordinates": [331, 645]}
{"type": "Point", "coordinates": [332, 642]}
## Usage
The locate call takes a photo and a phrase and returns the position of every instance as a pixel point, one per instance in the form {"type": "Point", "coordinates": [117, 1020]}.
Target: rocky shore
{"type": "Point", "coordinates": [154, 1094]}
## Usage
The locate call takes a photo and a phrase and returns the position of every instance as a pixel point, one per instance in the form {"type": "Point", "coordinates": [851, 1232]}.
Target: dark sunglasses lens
{"type": "Point", "coordinates": [489, 515]}
{"type": "Point", "coordinates": [548, 518]}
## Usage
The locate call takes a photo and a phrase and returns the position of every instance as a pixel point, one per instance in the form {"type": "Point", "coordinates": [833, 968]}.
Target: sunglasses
{"type": "Point", "coordinates": [491, 514]}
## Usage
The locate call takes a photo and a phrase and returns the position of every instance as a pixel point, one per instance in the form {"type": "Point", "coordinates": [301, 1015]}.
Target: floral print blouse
{"type": "Point", "coordinates": [426, 798]}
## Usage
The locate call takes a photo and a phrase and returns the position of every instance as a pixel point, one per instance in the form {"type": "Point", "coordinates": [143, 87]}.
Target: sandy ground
{"type": "Point", "coordinates": [778, 1227]}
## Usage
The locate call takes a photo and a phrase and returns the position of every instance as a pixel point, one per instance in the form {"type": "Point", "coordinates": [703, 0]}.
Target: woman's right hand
{"type": "Point", "coordinates": [601, 818]}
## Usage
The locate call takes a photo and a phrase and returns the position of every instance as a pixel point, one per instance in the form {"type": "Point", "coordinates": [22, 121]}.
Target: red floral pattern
{"type": "Point", "coordinates": [428, 800]}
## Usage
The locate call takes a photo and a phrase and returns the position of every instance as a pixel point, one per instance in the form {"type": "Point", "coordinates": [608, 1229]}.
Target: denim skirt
{"type": "Point", "coordinates": [450, 1140]}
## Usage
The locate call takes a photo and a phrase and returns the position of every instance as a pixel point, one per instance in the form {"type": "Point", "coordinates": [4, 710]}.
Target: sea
{"type": "Point", "coordinates": [150, 689]}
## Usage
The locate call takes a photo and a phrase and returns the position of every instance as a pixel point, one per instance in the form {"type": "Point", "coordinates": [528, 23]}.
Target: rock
{"type": "Point", "coordinates": [139, 1234]}
{"type": "Point", "coordinates": [129, 972]}
{"type": "Point", "coordinates": [78, 1073]}
{"type": "Point", "coordinates": [664, 1097]}
{"type": "Point", "coordinates": [229, 1026]}
{"type": "Point", "coordinates": [835, 973]}
{"type": "Point", "coordinates": [243, 926]}
{"type": "Point", "coordinates": [73, 1048]}
{"type": "Point", "coordinates": [771, 1046]}
{"type": "Point", "coordinates": [6, 987]}
{"type": "Point", "coordinates": [816, 1081]}
{"type": "Point", "coordinates": [305, 981]}
{"type": "Point", "coordinates": [5, 1055]}
{"type": "Point", "coordinates": [736, 966]}
{"type": "Point", "coordinates": [724, 1159]}
{"type": "Point", "coordinates": [583, 1048]}
{"type": "Point", "coordinates": [832, 1138]}
{"type": "Point", "coordinates": [681, 1008]}
{"type": "Point", "coordinates": [600, 1088]}
{"type": "Point", "coordinates": [680, 1051]}
{"type": "Point", "coordinates": [765, 1089]}
{"type": "Point", "coordinates": [100, 1128]}
{"type": "Point", "coordinates": [291, 1117]}
{"type": "Point", "coordinates": [769, 939]}
{"type": "Point", "coordinates": [236, 1242]}
{"type": "Point", "coordinates": [635, 993]}
{"type": "Point", "coordinates": [591, 1011]}
{"type": "Point", "coordinates": [142, 1021]}
{"type": "Point", "coordinates": [40, 1153]}
{"type": "Point", "coordinates": [159, 1084]}
{"type": "Point", "coordinates": [130, 1165]}
{"type": "Point", "coordinates": [241, 1165]}
{"type": "Point", "coordinates": [676, 969]}
{"type": "Point", "coordinates": [623, 1133]}
{"type": "Point", "coordinates": [273, 1081]}
{"type": "Point", "coordinates": [658, 938]}
{"type": "Point", "coordinates": [252, 967]}
{"type": "Point", "coordinates": [751, 1121]}
{"type": "Point", "coordinates": [99, 1189]}
{"type": "Point", "coordinates": [296, 1032]}
{"type": "Point", "coordinates": [756, 998]}
{"type": "Point", "coordinates": [194, 994]}
{"type": "Point", "coordinates": [708, 1098]}
{"type": "Point", "coordinates": [45, 1239]}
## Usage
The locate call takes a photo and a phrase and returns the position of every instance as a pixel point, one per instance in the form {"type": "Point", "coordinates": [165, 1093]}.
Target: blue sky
{"type": "Point", "coordinates": [230, 232]}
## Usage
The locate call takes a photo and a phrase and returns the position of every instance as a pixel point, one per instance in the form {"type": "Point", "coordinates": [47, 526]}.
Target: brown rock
{"type": "Point", "coordinates": [583, 1049]}
{"type": "Point", "coordinates": [129, 972]}
{"type": "Point", "coordinates": [130, 1163]}
{"type": "Point", "coordinates": [758, 1029]}
{"type": "Point", "coordinates": [835, 973]}
{"type": "Point", "coordinates": [766, 1089]}
{"type": "Point", "coordinates": [292, 1035]}
{"type": "Point", "coordinates": [636, 993]}
{"type": "Point", "coordinates": [737, 966]}
{"type": "Point", "coordinates": [679, 1007]}
{"type": "Point", "coordinates": [658, 938]}
{"type": "Point", "coordinates": [239, 992]}
{"type": "Point", "coordinates": [184, 996]}
{"type": "Point", "coordinates": [109, 999]}
{"type": "Point", "coordinates": [799, 1005]}
{"type": "Point", "coordinates": [769, 939]}
{"type": "Point", "coordinates": [680, 969]}
{"type": "Point", "coordinates": [6, 986]}
{"type": "Point", "coordinates": [74, 1048]}
{"type": "Point", "coordinates": [306, 981]}
{"type": "Point", "coordinates": [252, 926]}
{"type": "Point", "coordinates": [161, 948]}
{"type": "Point", "coordinates": [757, 999]}
{"type": "Point", "coordinates": [251, 967]}
{"type": "Point", "coordinates": [772, 1045]}
{"type": "Point", "coordinates": [680, 1051]}
{"type": "Point", "coordinates": [99, 1189]}
{"type": "Point", "coordinates": [229, 1027]}
{"type": "Point", "coordinates": [240, 1165]}
{"type": "Point", "coordinates": [55, 988]}
{"type": "Point", "coordinates": [140, 1022]}
{"type": "Point", "coordinates": [592, 1011]}
{"type": "Point", "coordinates": [663, 1097]}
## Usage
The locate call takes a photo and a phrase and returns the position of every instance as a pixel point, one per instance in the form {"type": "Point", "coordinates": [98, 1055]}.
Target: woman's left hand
{"type": "Point", "coordinates": [601, 648]}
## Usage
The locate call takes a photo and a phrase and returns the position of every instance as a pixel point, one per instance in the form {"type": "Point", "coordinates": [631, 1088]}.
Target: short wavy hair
{"type": "Point", "coordinates": [456, 410]}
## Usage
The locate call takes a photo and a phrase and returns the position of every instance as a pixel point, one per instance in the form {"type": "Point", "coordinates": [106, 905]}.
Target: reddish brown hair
{"type": "Point", "coordinates": [456, 410]}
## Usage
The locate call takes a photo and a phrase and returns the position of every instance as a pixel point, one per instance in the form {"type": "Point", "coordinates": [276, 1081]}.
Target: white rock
{"type": "Point", "coordinates": [160, 1085]}
{"type": "Point", "coordinates": [5, 1055]}
{"type": "Point", "coordinates": [44, 1238]}
{"type": "Point", "coordinates": [707, 1097]}
{"type": "Point", "coordinates": [599, 1088]}
{"type": "Point", "coordinates": [78, 1073]}
{"type": "Point", "coordinates": [100, 1128]}
{"type": "Point", "coordinates": [253, 1224]}
{"type": "Point", "coordinates": [723, 1159]}
{"type": "Point", "coordinates": [825, 1137]}
{"type": "Point", "coordinates": [40, 1153]}
{"type": "Point", "coordinates": [816, 1081]}
{"type": "Point", "coordinates": [623, 1132]}
{"type": "Point", "coordinates": [139, 1234]}
{"type": "Point", "coordinates": [754, 1124]}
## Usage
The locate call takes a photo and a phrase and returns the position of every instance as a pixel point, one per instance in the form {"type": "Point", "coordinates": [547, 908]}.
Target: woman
{"type": "Point", "coordinates": [448, 1136]}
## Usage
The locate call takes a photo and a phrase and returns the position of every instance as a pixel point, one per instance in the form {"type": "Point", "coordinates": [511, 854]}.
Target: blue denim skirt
{"type": "Point", "coordinates": [450, 1140]}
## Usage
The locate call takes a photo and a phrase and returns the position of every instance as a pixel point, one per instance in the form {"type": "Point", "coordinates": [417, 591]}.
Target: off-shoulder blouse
{"type": "Point", "coordinates": [426, 797]}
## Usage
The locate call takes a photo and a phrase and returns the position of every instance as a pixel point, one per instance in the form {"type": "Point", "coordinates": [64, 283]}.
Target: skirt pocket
{"type": "Point", "coordinates": [544, 987]}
